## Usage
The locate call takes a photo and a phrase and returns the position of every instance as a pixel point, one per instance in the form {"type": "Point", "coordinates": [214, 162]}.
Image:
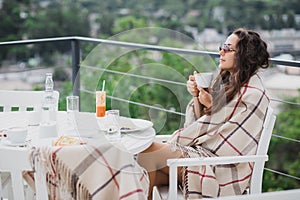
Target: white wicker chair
{"type": "Point", "coordinates": [259, 159]}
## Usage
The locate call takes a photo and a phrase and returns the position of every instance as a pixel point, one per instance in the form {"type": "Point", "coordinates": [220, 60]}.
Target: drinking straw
{"type": "Point", "coordinates": [103, 85]}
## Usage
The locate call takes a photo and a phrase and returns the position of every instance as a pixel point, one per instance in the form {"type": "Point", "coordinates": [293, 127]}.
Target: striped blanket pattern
{"type": "Point", "coordinates": [92, 172]}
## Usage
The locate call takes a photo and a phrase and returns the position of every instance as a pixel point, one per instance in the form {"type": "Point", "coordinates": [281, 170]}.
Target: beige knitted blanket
{"type": "Point", "coordinates": [92, 172]}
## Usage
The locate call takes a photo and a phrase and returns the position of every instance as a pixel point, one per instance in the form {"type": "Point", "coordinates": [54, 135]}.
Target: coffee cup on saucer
{"type": "Point", "coordinates": [17, 135]}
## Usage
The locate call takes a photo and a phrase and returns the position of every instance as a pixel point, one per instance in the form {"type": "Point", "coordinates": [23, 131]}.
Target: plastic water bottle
{"type": "Point", "coordinates": [49, 83]}
{"type": "Point", "coordinates": [49, 101]}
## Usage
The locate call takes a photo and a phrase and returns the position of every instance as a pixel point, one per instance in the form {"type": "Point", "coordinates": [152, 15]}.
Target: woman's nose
{"type": "Point", "coordinates": [221, 52]}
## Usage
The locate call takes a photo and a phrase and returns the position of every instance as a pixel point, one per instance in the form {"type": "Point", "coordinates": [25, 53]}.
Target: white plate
{"type": "Point", "coordinates": [128, 125]}
{"type": "Point", "coordinates": [134, 125]}
{"type": "Point", "coordinates": [9, 143]}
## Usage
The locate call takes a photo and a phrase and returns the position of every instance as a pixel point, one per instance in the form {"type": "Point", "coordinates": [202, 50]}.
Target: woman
{"type": "Point", "coordinates": [234, 111]}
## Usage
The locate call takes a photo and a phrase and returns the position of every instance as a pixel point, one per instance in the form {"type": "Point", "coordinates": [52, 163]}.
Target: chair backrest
{"type": "Point", "coordinates": [23, 100]}
{"type": "Point", "coordinates": [262, 149]}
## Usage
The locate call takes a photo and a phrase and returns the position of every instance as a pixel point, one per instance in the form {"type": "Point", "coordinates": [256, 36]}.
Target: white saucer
{"type": "Point", "coordinates": [9, 143]}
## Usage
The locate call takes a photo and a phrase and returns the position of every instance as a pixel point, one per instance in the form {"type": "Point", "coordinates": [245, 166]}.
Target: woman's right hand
{"type": "Point", "coordinates": [192, 86]}
{"type": "Point", "coordinates": [205, 98]}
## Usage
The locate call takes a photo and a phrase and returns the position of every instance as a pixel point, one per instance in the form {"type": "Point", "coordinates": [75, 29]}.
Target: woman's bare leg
{"type": "Point", "coordinates": [154, 160]}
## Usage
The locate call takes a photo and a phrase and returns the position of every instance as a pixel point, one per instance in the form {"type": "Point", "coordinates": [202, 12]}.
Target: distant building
{"type": "Point", "coordinates": [279, 41]}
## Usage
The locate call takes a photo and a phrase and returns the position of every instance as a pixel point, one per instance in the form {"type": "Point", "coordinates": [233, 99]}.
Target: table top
{"type": "Point", "coordinates": [87, 130]}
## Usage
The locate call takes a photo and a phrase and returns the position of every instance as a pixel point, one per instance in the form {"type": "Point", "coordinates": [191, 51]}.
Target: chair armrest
{"type": "Point", "coordinates": [179, 162]}
{"type": "Point", "coordinates": [215, 160]}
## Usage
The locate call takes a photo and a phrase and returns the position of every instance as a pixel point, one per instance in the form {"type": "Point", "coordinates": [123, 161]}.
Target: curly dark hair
{"type": "Point", "coordinates": [250, 55]}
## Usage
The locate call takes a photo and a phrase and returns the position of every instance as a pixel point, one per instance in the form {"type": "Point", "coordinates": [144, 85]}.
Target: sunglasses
{"type": "Point", "coordinates": [226, 48]}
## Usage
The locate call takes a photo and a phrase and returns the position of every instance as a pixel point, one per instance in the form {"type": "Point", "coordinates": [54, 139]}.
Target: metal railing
{"type": "Point", "coordinates": [75, 49]}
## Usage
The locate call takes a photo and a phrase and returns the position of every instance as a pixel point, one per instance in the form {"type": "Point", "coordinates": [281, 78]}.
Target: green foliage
{"type": "Point", "coordinates": [128, 23]}
{"type": "Point", "coordinates": [60, 74]}
{"type": "Point", "coordinates": [274, 182]}
{"type": "Point", "coordinates": [67, 18]}
{"type": "Point", "coordinates": [11, 26]}
{"type": "Point", "coordinates": [107, 22]}
{"type": "Point", "coordinates": [285, 154]}
{"type": "Point", "coordinates": [59, 18]}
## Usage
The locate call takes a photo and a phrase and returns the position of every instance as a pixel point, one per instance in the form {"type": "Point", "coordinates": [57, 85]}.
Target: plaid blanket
{"type": "Point", "coordinates": [233, 131]}
{"type": "Point", "coordinates": [92, 172]}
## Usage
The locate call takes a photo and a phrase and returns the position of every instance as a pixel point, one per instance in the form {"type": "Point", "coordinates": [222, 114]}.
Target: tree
{"type": "Point", "coordinates": [106, 22]}
{"type": "Point", "coordinates": [290, 21]}
{"type": "Point", "coordinates": [128, 23]}
{"type": "Point", "coordinates": [12, 14]}
{"type": "Point", "coordinates": [66, 18]}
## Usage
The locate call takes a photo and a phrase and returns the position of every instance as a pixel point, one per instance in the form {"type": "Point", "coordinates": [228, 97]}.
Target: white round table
{"type": "Point", "coordinates": [88, 131]}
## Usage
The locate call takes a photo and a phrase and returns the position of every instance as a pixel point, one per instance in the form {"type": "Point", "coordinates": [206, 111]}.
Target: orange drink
{"type": "Point", "coordinates": [100, 103]}
{"type": "Point", "coordinates": [100, 110]}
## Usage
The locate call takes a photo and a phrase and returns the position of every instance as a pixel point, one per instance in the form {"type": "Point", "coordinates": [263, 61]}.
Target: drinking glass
{"type": "Point", "coordinates": [100, 103]}
{"type": "Point", "coordinates": [113, 132]}
{"type": "Point", "coordinates": [72, 103]}
{"type": "Point", "coordinates": [72, 109]}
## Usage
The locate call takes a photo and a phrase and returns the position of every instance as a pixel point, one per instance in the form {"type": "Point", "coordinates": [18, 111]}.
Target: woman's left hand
{"type": "Point", "coordinates": [205, 98]}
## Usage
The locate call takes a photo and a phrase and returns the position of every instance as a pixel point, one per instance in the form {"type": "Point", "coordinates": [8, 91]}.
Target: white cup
{"type": "Point", "coordinates": [203, 80]}
{"type": "Point", "coordinates": [34, 118]}
{"type": "Point", "coordinates": [17, 135]}
{"type": "Point", "coordinates": [48, 129]}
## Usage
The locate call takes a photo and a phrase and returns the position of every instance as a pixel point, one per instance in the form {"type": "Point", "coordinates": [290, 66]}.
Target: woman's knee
{"type": "Point", "coordinates": [149, 158]}
{"type": "Point", "coordinates": [155, 146]}
{"type": "Point", "coordinates": [155, 157]}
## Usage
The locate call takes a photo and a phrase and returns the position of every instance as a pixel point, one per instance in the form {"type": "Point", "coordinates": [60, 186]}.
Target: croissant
{"type": "Point", "coordinates": [67, 141]}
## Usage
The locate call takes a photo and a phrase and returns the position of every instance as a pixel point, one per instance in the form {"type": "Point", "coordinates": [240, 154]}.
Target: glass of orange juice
{"type": "Point", "coordinates": [100, 103]}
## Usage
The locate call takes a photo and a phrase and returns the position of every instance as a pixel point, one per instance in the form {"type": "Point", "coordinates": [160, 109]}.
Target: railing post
{"type": "Point", "coordinates": [75, 67]}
